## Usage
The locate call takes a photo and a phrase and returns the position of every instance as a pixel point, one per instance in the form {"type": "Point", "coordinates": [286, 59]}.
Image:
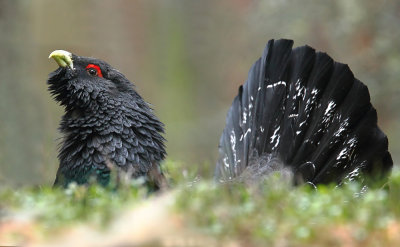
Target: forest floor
{"type": "Point", "coordinates": [198, 212]}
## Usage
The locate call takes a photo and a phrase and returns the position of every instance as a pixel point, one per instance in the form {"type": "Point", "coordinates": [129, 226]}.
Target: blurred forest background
{"type": "Point", "coordinates": [187, 58]}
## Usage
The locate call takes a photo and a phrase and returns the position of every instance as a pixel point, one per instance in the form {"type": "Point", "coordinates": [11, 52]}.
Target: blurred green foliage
{"type": "Point", "coordinates": [55, 208]}
{"type": "Point", "coordinates": [273, 211]}
{"type": "Point", "coordinates": [187, 58]}
{"type": "Point", "coordinates": [269, 213]}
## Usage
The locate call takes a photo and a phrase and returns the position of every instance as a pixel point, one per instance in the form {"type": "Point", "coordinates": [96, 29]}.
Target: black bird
{"type": "Point", "coordinates": [107, 125]}
{"type": "Point", "coordinates": [299, 112]}
{"type": "Point", "coordinates": [305, 115]}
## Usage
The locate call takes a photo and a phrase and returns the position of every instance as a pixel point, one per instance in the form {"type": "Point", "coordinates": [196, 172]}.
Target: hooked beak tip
{"type": "Point", "coordinates": [62, 58]}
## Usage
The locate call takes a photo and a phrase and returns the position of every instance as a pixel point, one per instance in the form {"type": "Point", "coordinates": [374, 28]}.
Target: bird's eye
{"type": "Point", "coordinates": [94, 70]}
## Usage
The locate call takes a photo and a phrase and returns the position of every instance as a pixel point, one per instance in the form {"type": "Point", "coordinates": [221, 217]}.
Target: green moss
{"type": "Point", "coordinates": [273, 211]}
{"type": "Point", "coordinates": [55, 207]}
{"type": "Point", "coordinates": [268, 213]}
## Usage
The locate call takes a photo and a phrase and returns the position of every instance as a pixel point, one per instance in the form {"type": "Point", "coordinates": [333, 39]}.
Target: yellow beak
{"type": "Point", "coordinates": [62, 58]}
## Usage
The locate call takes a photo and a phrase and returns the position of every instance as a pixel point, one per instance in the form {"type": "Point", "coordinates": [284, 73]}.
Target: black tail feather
{"type": "Point", "coordinates": [309, 112]}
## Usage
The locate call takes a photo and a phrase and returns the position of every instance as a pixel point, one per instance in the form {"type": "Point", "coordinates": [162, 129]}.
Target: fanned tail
{"type": "Point", "coordinates": [301, 111]}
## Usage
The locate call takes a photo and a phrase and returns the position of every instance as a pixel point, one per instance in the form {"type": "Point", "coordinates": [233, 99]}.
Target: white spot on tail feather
{"type": "Point", "coordinates": [275, 138]}
{"type": "Point", "coordinates": [277, 84]}
{"type": "Point", "coordinates": [330, 108]}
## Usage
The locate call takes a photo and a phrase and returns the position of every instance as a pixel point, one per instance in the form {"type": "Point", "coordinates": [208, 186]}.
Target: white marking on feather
{"type": "Point", "coordinates": [277, 84]}
{"type": "Point", "coordinates": [297, 85]}
{"type": "Point", "coordinates": [247, 131]}
{"type": "Point", "coordinates": [245, 115]}
{"type": "Point", "coordinates": [275, 138]}
{"type": "Point", "coordinates": [225, 161]}
{"type": "Point", "coordinates": [328, 112]}
{"type": "Point", "coordinates": [293, 115]}
{"type": "Point", "coordinates": [342, 127]}
{"type": "Point", "coordinates": [353, 174]}
{"type": "Point", "coordinates": [302, 123]}
{"type": "Point", "coordinates": [233, 145]}
{"type": "Point", "coordinates": [331, 106]}
{"type": "Point", "coordinates": [314, 91]}
{"type": "Point", "coordinates": [299, 88]}
{"type": "Point", "coordinates": [342, 154]}
{"type": "Point", "coordinates": [348, 151]}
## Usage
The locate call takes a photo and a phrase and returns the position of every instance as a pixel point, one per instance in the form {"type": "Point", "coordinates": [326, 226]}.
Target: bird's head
{"type": "Point", "coordinates": [83, 82]}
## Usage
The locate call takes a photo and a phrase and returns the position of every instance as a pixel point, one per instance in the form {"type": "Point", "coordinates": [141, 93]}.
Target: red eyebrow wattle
{"type": "Point", "coordinates": [96, 67]}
